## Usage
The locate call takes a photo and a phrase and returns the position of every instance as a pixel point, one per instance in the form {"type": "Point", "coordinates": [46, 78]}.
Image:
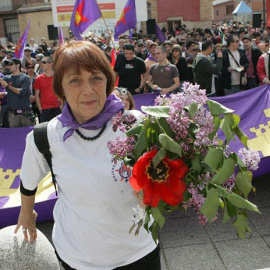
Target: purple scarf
{"type": "Point", "coordinates": [150, 57]}
{"type": "Point", "coordinates": [112, 106]}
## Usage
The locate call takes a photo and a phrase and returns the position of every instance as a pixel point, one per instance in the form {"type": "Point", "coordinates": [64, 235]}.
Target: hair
{"type": "Point", "coordinates": [206, 44]}
{"type": "Point", "coordinates": [29, 63]}
{"type": "Point", "coordinates": [207, 31]}
{"type": "Point", "coordinates": [190, 42]}
{"type": "Point", "coordinates": [162, 48]}
{"type": "Point", "coordinates": [130, 97]}
{"type": "Point", "coordinates": [108, 49]}
{"type": "Point", "coordinates": [49, 59]}
{"type": "Point", "coordinates": [80, 55]}
{"type": "Point", "coordinates": [218, 45]}
{"type": "Point", "coordinates": [231, 39]}
{"type": "Point", "coordinates": [177, 47]}
{"type": "Point", "coordinates": [247, 37]}
{"type": "Point", "coordinates": [129, 47]}
{"type": "Point", "coordinates": [39, 56]}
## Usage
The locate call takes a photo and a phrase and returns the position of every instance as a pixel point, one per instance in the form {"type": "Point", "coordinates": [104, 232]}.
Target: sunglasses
{"type": "Point", "coordinates": [38, 59]}
{"type": "Point", "coordinates": [11, 64]}
{"type": "Point", "coordinates": [30, 67]}
{"type": "Point", "coordinates": [44, 62]}
{"type": "Point", "coordinates": [27, 51]}
{"type": "Point", "coordinates": [236, 41]}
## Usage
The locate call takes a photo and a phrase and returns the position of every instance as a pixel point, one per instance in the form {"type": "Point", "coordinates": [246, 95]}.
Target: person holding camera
{"type": "Point", "coordinates": [17, 87]}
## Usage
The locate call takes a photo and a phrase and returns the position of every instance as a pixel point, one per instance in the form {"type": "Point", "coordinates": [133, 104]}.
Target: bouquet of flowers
{"type": "Point", "coordinates": [179, 162]}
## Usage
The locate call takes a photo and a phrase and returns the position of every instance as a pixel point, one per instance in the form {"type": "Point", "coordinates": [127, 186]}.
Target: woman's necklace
{"type": "Point", "coordinates": [90, 138]}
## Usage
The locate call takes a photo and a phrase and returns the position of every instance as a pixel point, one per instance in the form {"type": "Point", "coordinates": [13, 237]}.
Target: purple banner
{"type": "Point", "coordinates": [252, 106]}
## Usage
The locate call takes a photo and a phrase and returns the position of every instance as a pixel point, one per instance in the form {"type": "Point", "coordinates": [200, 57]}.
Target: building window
{"type": "Point", "coordinates": [12, 30]}
{"type": "Point", "coordinates": [229, 9]}
{"type": "Point", "coordinates": [217, 12]}
{"type": "Point", "coordinates": [149, 10]}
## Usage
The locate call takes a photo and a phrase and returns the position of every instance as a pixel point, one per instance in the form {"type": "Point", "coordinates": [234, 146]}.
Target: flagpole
{"type": "Point", "coordinates": [106, 26]}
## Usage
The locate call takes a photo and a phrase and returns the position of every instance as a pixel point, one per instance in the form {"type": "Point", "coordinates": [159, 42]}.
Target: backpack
{"type": "Point", "coordinates": [42, 143]}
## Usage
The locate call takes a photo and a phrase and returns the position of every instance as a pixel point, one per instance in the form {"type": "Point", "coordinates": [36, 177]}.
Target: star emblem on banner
{"type": "Point", "coordinates": [79, 18]}
{"type": "Point", "coordinates": [122, 18]}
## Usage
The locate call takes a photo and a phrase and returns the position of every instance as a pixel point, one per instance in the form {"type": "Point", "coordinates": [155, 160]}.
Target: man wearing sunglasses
{"type": "Point", "coordinates": [27, 57]}
{"type": "Point", "coordinates": [47, 102]}
{"type": "Point", "coordinates": [17, 87]}
{"type": "Point", "coordinates": [235, 64]}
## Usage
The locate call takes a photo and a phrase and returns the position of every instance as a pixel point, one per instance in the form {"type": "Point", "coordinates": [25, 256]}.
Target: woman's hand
{"type": "Point", "coordinates": [28, 222]}
{"type": "Point", "coordinates": [139, 198]}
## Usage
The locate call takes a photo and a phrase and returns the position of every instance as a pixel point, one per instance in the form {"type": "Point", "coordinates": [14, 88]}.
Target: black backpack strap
{"type": "Point", "coordinates": [42, 143]}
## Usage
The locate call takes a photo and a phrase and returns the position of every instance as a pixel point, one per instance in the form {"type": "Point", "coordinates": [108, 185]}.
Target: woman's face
{"type": "Point", "coordinates": [85, 93]}
{"type": "Point", "coordinates": [125, 101]}
{"type": "Point", "coordinates": [176, 53]}
{"type": "Point", "coordinates": [218, 49]}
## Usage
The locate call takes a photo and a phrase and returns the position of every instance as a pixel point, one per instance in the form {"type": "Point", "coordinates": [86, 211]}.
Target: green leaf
{"type": "Point", "coordinates": [229, 212]}
{"type": "Point", "coordinates": [217, 108]}
{"type": "Point", "coordinates": [159, 156]}
{"type": "Point", "coordinates": [158, 111]}
{"type": "Point", "coordinates": [141, 144]}
{"type": "Point", "coordinates": [186, 196]}
{"type": "Point", "coordinates": [136, 129]}
{"type": "Point", "coordinates": [243, 181]}
{"type": "Point", "coordinates": [196, 165]}
{"type": "Point", "coordinates": [154, 231]}
{"type": "Point", "coordinates": [240, 202]}
{"type": "Point", "coordinates": [192, 108]}
{"type": "Point", "coordinates": [163, 124]}
{"type": "Point", "coordinates": [239, 161]}
{"type": "Point", "coordinates": [241, 225]}
{"type": "Point", "coordinates": [158, 217]}
{"type": "Point", "coordinates": [216, 122]}
{"type": "Point", "coordinates": [213, 158]}
{"type": "Point", "coordinates": [170, 144]}
{"type": "Point", "coordinates": [226, 126]}
{"type": "Point", "coordinates": [211, 204]}
{"type": "Point", "coordinates": [225, 172]}
{"type": "Point", "coordinates": [241, 135]}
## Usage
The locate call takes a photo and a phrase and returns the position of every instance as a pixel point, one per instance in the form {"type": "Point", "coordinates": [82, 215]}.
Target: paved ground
{"type": "Point", "coordinates": [187, 245]}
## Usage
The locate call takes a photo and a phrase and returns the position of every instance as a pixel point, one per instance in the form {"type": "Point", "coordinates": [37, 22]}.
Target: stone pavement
{"type": "Point", "coordinates": [187, 245]}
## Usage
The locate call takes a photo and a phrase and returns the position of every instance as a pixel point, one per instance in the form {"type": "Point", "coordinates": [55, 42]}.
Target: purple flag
{"type": "Point", "coordinates": [61, 36]}
{"type": "Point", "coordinates": [84, 14]}
{"type": "Point", "coordinates": [20, 46]}
{"type": "Point", "coordinates": [130, 34]}
{"type": "Point", "coordinates": [159, 34]}
{"type": "Point", "coordinates": [127, 19]}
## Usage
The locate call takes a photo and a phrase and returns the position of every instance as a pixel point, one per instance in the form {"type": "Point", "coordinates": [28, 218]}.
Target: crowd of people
{"type": "Point", "coordinates": [222, 59]}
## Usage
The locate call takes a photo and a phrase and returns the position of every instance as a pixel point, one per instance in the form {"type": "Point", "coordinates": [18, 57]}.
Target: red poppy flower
{"type": "Point", "coordinates": [163, 182]}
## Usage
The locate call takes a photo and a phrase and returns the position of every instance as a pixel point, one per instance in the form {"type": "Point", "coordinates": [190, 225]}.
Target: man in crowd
{"type": "Point", "coordinates": [33, 45]}
{"type": "Point", "coordinates": [47, 103]}
{"type": "Point", "coordinates": [131, 70]}
{"type": "Point", "coordinates": [263, 68]}
{"type": "Point", "coordinates": [235, 63]}
{"type": "Point", "coordinates": [17, 87]}
{"type": "Point", "coordinates": [253, 55]}
{"type": "Point", "coordinates": [150, 60]}
{"type": "Point", "coordinates": [205, 69]}
{"type": "Point", "coordinates": [121, 45]}
{"type": "Point", "coordinates": [163, 76]}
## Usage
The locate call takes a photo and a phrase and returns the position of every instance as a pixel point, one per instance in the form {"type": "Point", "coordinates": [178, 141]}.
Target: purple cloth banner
{"type": "Point", "coordinates": [61, 36]}
{"type": "Point", "coordinates": [85, 13]}
{"type": "Point", "coordinates": [127, 19]}
{"type": "Point", "coordinates": [12, 145]}
{"type": "Point", "coordinates": [253, 107]}
{"type": "Point", "coordinates": [20, 46]}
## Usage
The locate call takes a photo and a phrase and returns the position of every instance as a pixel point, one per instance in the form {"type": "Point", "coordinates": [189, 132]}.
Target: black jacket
{"type": "Point", "coordinates": [255, 55]}
{"type": "Point", "coordinates": [226, 75]}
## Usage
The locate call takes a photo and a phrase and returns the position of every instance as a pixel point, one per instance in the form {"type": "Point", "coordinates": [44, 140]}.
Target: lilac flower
{"type": "Point", "coordinates": [250, 158]}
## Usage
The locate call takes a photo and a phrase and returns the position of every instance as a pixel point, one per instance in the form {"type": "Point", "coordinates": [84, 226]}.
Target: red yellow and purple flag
{"type": "Point", "coordinates": [127, 19]}
{"type": "Point", "coordinates": [20, 46]}
{"type": "Point", "coordinates": [85, 13]}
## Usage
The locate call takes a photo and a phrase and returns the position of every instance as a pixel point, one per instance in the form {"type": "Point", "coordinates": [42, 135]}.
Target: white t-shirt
{"type": "Point", "coordinates": [235, 76]}
{"type": "Point", "coordinates": [93, 213]}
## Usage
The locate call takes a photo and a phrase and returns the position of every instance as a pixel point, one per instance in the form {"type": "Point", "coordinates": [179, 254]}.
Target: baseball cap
{"type": "Point", "coordinates": [153, 44]}
{"type": "Point", "coordinates": [12, 60]}
{"type": "Point", "coordinates": [27, 48]}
